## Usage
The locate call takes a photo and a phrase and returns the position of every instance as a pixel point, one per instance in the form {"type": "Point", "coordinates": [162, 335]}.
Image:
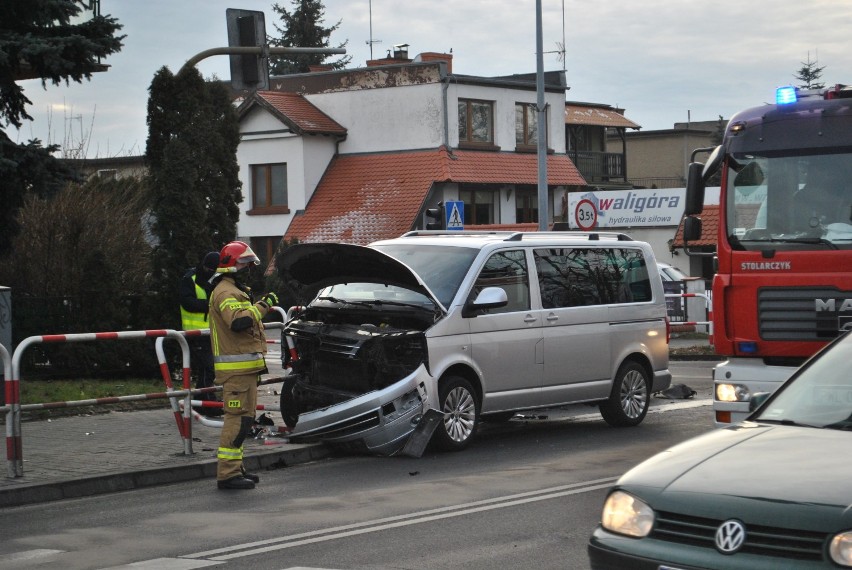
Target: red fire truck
{"type": "Point", "coordinates": [783, 282]}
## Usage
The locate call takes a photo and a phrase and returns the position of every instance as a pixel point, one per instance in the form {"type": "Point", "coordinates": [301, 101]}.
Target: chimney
{"type": "Point", "coordinates": [399, 55]}
{"type": "Point", "coordinates": [435, 56]}
{"type": "Point", "coordinates": [400, 51]}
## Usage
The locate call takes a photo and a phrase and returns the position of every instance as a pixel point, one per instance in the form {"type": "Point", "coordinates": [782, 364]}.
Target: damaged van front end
{"type": "Point", "coordinates": [359, 359]}
{"type": "Point", "coordinates": [363, 386]}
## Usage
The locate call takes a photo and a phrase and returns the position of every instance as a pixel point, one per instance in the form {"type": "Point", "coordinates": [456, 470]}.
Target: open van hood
{"type": "Point", "coordinates": [319, 265]}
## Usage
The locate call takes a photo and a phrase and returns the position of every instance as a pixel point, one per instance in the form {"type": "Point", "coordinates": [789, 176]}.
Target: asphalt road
{"type": "Point", "coordinates": [527, 494]}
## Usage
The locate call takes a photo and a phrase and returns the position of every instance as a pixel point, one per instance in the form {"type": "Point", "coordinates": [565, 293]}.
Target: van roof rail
{"type": "Point", "coordinates": [519, 236]}
{"type": "Point", "coordinates": [591, 236]}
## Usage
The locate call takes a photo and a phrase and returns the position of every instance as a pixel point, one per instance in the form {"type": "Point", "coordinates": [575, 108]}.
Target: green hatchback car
{"type": "Point", "coordinates": [774, 491]}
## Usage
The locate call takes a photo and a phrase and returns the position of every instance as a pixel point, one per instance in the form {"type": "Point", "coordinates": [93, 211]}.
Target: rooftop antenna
{"type": "Point", "coordinates": [371, 41]}
{"type": "Point", "coordinates": [560, 46]}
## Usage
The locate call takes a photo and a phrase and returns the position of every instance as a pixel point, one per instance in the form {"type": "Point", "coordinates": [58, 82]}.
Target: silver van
{"type": "Point", "coordinates": [465, 327]}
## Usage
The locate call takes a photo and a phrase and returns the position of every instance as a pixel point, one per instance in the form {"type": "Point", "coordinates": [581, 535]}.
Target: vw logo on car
{"type": "Point", "coordinates": [730, 536]}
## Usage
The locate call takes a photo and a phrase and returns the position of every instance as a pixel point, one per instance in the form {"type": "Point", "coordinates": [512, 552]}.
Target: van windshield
{"type": "Point", "coordinates": [441, 268]}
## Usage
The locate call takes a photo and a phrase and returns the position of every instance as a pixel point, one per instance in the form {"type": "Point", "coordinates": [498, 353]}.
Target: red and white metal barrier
{"type": "Point", "coordinates": [707, 307]}
{"type": "Point", "coordinates": [10, 433]}
{"type": "Point", "coordinates": [14, 447]}
{"type": "Point", "coordinates": [180, 408]}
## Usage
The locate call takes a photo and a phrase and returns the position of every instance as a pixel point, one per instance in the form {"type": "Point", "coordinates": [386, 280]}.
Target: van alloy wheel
{"type": "Point", "coordinates": [461, 414]}
{"type": "Point", "coordinates": [630, 397]}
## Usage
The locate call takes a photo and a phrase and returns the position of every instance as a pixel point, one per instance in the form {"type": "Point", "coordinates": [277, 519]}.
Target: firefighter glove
{"type": "Point", "coordinates": [269, 299]}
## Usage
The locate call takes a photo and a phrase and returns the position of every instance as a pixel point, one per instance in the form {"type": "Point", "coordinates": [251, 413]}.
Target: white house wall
{"type": "Point", "coordinates": [504, 113]}
{"type": "Point", "coordinates": [386, 119]}
{"type": "Point", "coordinates": [306, 157]}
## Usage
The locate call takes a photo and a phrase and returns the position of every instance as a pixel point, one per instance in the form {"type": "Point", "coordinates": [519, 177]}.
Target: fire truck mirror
{"type": "Point", "coordinates": [694, 189]}
{"type": "Point", "coordinates": [691, 229]}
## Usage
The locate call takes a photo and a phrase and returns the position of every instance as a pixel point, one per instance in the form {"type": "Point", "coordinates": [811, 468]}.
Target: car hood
{"type": "Point", "coordinates": [318, 265]}
{"type": "Point", "coordinates": [750, 462]}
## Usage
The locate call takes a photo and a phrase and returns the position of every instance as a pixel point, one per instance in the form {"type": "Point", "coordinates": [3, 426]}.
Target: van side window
{"type": "Point", "coordinates": [576, 277]}
{"type": "Point", "coordinates": [507, 270]}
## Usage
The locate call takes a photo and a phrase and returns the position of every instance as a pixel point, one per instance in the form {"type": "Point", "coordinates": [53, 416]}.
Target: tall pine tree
{"type": "Point", "coordinates": [303, 28]}
{"type": "Point", "coordinates": [38, 41]}
{"type": "Point", "coordinates": [809, 74]}
{"type": "Point", "coordinates": [195, 193]}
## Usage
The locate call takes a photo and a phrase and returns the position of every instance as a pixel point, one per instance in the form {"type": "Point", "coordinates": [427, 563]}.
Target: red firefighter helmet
{"type": "Point", "coordinates": [236, 253]}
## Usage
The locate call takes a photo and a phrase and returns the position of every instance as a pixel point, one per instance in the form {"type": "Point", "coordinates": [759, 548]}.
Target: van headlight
{"type": "Point", "coordinates": [732, 393]}
{"type": "Point", "coordinates": [625, 514]}
{"type": "Point", "coordinates": [841, 548]}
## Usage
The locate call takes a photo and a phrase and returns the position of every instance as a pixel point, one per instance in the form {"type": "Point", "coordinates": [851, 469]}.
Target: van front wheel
{"type": "Point", "coordinates": [630, 397]}
{"type": "Point", "coordinates": [461, 414]}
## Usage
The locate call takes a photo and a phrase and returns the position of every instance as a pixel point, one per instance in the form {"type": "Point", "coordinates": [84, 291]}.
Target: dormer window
{"type": "Point", "coordinates": [476, 123]}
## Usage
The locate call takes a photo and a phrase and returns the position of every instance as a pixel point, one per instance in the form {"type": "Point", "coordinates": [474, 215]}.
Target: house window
{"type": "Point", "coordinates": [526, 206]}
{"type": "Point", "coordinates": [479, 208]}
{"type": "Point", "coordinates": [264, 248]}
{"type": "Point", "coordinates": [269, 189]}
{"type": "Point", "coordinates": [526, 132]}
{"type": "Point", "coordinates": [476, 122]}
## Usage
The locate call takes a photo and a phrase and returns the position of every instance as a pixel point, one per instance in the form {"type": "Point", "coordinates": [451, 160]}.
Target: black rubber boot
{"type": "Point", "coordinates": [238, 482]}
{"type": "Point", "coordinates": [251, 476]}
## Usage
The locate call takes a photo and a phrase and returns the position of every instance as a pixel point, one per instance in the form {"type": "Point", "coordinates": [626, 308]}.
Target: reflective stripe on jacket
{"type": "Point", "coordinates": [194, 321]}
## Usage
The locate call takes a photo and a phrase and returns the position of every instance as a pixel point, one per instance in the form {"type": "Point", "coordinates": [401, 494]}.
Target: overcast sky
{"type": "Point", "coordinates": [663, 61]}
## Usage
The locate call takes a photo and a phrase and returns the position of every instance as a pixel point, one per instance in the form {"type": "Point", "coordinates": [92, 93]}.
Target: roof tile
{"type": "Point", "coordinates": [709, 228]}
{"type": "Point", "coordinates": [297, 111]}
{"type": "Point", "coordinates": [596, 116]}
{"type": "Point", "coordinates": [366, 197]}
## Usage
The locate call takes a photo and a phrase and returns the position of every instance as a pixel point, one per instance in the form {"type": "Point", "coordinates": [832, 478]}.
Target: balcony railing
{"type": "Point", "coordinates": [599, 166]}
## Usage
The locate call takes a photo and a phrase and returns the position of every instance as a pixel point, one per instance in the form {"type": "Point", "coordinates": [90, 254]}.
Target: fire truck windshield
{"type": "Point", "coordinates": [801, 201]}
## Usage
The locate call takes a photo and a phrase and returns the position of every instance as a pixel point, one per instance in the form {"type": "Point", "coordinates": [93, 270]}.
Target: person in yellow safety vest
{"type": "Point", "coordinates": [239, 345]}
{"type": "Point", "coordinates": [194, 291]}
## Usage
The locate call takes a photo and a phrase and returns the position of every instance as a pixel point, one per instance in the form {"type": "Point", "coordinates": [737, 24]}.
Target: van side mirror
{"type": "Point", "coordinates": [488, 298]}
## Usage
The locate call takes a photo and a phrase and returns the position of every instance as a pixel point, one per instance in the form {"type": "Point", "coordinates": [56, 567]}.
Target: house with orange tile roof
{"type": "Point", "coordinates": [360, 154]}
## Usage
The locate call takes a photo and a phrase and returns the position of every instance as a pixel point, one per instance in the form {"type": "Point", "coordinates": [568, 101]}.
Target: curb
{"type": "Point", "coordinates": [698, 357]}
{"type": "Point", "coordinates": [27, 494]}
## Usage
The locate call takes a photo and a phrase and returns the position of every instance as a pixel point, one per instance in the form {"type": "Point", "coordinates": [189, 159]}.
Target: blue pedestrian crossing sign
{"type": "Point", "coordinates": [454, 212]}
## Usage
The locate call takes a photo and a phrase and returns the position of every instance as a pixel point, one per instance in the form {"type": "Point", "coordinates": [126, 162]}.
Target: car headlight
{"type": "Point", "coordinates": [732, 393]}
{"type": "Point", "coordinates": [625, 514]}
{"type": "Point", "coordinates": [841, 548]}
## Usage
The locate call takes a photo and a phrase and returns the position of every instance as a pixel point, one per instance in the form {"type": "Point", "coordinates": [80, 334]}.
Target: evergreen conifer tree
{"type": "Point", "coordinates": [194, 181]}
{"type": "Point", "coordinates": [303, 28]}
{"type": "Point", "coordinates": [38, 40]}
{"type": "Point", "coordinates": [809, 74]}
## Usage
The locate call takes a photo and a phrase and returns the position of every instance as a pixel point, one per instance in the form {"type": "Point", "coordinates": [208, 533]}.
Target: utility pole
{"type": "Point", "coordinates": [541, 122]}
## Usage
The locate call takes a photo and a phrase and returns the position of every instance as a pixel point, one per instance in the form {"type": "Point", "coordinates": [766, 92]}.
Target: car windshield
{"type": "Point", "coordinates": [820, 396]}
{"type": "Point", "coordinates": [670, 273]}
{"type": "Point", "coordinates": [441, 268]}
{"type": "Point", "coordinates": [791, 201]}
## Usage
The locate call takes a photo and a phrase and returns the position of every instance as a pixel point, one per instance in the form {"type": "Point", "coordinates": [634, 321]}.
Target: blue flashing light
{"type": "Point", "coordinates": [785, 95]}
{"type": "Point", "coordinates": [747, 346]}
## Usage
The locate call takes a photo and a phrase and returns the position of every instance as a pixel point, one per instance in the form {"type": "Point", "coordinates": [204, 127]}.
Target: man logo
{"type": "Point", "coordinates": [730, 536]}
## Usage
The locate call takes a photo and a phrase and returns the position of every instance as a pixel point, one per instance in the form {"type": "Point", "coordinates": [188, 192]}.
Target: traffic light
{"type": "Point", "coordinates": [247, 28]}
{"type": "Point", "coordinates": [436, 214]}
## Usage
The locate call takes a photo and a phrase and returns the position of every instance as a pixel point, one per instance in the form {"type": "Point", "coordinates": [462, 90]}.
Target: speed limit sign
{"type": "Point", "coordinates": [585, 214]}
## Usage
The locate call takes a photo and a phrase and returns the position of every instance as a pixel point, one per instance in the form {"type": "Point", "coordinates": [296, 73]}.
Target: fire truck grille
{"type": "Point", "coordinates": [808, 313]}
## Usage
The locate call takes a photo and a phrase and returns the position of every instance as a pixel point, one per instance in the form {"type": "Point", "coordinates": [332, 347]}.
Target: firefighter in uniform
{"type": "Point", "coordinates": [239, 343]}
{"type": "Point", "coordinates": [195, 289]}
